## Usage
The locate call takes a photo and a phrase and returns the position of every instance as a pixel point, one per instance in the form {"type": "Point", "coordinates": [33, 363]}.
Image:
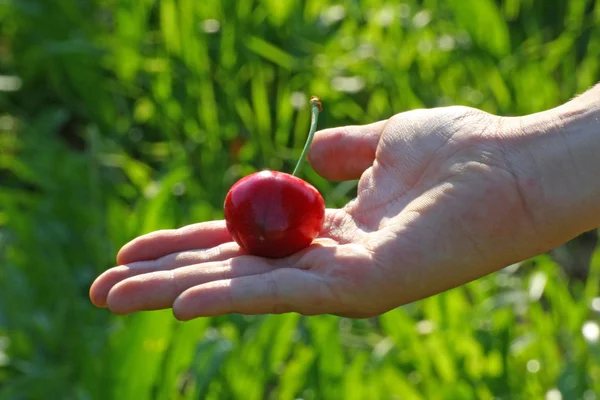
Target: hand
{"type": "Point", "coordinates": [438, 205]}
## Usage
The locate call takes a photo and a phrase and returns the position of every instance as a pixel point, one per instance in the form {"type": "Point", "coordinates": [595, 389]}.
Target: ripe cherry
{"type": "Point", "coordinates": [274, 214]}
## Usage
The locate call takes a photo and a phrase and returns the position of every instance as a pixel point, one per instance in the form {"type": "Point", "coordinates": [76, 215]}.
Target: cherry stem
{"type": "Point", "coordinates": [315, 108]}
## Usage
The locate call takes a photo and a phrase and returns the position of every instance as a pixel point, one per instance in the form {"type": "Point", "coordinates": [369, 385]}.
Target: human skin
{"type": "Point", "coordinates": [446, 196]}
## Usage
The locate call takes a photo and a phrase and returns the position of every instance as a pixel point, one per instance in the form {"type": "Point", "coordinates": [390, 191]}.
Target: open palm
{"type": "Point", "coordinates": [438, 205]}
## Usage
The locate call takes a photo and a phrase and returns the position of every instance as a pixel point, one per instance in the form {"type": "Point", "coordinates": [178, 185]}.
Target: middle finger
{"type": "Point", "coordinates": [105, 282]}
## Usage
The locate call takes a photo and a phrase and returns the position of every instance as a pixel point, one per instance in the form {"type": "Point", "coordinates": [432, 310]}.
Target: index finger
{"type": "Point", "coordinates": [158, 244]}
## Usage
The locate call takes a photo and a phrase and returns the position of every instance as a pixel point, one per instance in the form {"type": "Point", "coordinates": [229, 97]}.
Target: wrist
{"type": "Point", "coordinates": [556, 159]}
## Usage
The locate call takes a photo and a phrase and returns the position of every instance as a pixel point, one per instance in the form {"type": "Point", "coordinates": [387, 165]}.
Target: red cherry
{"type": "Point", "coordinates": [273, 214]}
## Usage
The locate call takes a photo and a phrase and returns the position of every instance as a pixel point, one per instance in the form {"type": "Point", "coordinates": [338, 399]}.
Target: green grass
{"type": "Point", "coordinates": [129, 120]}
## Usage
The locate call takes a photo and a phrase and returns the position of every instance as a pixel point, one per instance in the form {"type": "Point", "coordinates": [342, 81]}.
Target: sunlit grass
{"type": "Point", "coordinates": [134, 116]}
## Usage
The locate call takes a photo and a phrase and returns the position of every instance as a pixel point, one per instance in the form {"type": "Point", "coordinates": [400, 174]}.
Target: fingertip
{"type": "Point", "coordinates": [122, 255]}
{"type": "Point", "coordinates": [95, 297]}
{"type": "Point", "coordinates": [112, 301]}
{"type": "Point", "coordinates": [129, 253]}
{"type": "Point", "coordinates": [178, 312]}
{"type": "Point", "coordinates": [121, 259]}
{"type": "Point", "coordinates": [116, 300]}
{"type": "Point", "coordinates": [206, 300]}
{"type": "Point", "coordinates": [141, 248]}
{"type": "Point", "coordinates": [101, 287]}
{"type": "Point", "coordinates": [182, 309]}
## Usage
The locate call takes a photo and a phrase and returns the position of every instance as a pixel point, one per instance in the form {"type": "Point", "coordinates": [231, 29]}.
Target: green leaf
{"type": "Point", "coordinates": [270, 52]}
{"type": "Point", "coordinates": [485, 23]}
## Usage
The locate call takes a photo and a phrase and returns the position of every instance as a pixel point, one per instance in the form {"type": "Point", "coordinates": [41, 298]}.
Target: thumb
{"type": "Point", "coordinates": [344, 153]}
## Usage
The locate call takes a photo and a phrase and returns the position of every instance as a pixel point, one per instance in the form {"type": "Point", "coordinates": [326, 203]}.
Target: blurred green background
{"type": "Point", "coordinates": [122, 117]}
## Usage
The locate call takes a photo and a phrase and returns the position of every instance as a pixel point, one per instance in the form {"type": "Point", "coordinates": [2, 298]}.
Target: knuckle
{"type": "Point", "coordinates": [272, 294]}
{"type": "Point", "coordinates": [278, 301]}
